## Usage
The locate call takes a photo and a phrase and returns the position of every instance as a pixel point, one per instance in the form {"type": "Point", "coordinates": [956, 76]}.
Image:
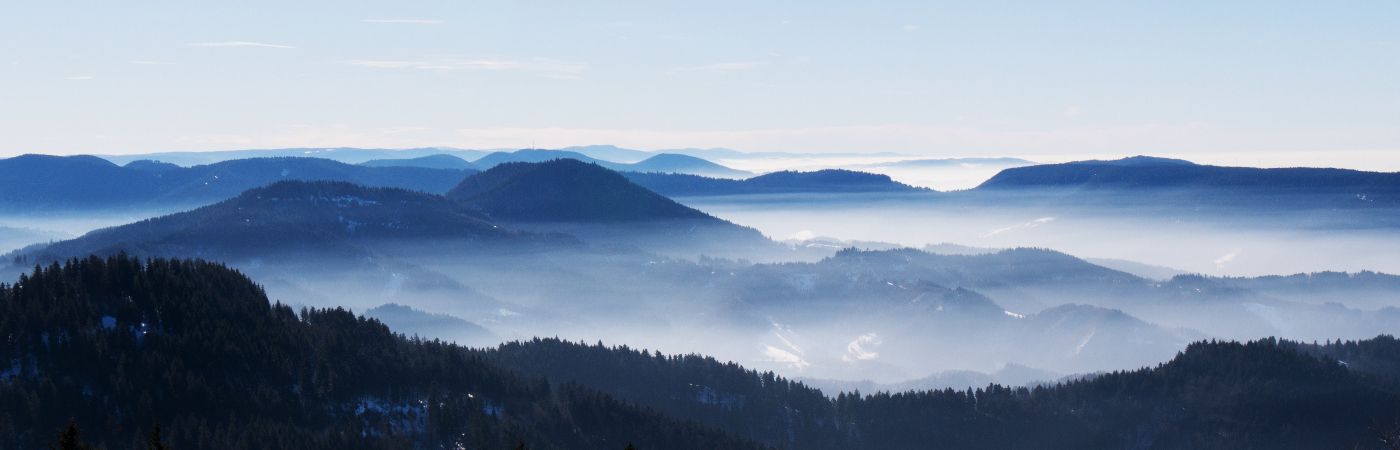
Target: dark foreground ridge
{"type": "Point", "coordinates": [117, 343]}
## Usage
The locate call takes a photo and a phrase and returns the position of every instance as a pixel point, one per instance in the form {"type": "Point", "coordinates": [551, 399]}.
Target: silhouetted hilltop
{"type": "Point", "coordinates": [821, 181]}
{"type": "Point", "coordinates": [286, 217]}
{"type": "Point", "coordinates": [53, 183]}
{"type": "Point", "coordinates": [440, 161]}
{"type": "Point", "coordinates": [565, 190]}
{"type": "Point", "coordinates": [117, 344]}
{"type": "Point", "coordinates": [1142, 173]}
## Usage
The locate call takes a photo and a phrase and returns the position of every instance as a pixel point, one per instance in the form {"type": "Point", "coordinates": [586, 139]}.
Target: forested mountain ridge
{"type": "Point", "coordinates": [44, 183]}
{"type": "Point", "coordinates": [118, 343]}
{"type": "Point", "coordinates": [565, 190]}
{"type": "Point", "coordinates": [785, 182]}
{"type": "Point", "coordinates": [286, 217]}
{"type": "Point", "coordinates": [1156, 173]}
{"type": "Point", "coordinates": [1262, 394]}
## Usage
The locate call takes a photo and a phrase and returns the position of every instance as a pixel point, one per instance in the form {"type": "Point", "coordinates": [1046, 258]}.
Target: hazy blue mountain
{"type": "Point", "coordinates": [673, 163]}
{"type": "Point", "coordinates": [327, 219]}
{"type": "Point", "coordinates": [151, 166]}
{"type": "Point", "coordinates": [667, 163]}
{"type": "Point", "coordinates": [611, 153]}
{"type": "Point", "coordinates": [1138, 160]}
{"type": "Point", "coordinates": [55, 183]}
{"type": "Point", "coordinates": [565, 190]}
{"type": "Point", "coordinates": [821, 181]}
{"type": "Point", "coordinates": [409, 321]}
{"type": "Point", "coordinates": [529, 155]}
{"type": "Point", "coordinates": [1143, 173]}
{"type": "Point", "coordinates": [346, 155]}
{"type": "Point", "coordinates": [440, 161]}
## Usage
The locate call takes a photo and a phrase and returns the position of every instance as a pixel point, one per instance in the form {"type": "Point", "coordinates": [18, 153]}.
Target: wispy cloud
{"type": "Point", "coordinates": [79, 78]}
{"type": "Point", "coordinates": [1072, 111]}
{"type": "Point", "coordinates": [152, 63]}
{"type": "Point", "coordinates": [1228, 258]}
{"type": "Point", "coordinates": [910, 28]}
{"type": "Point", "coordinates": [549, 67]}
{"type": "Point", "coordinates": [723, 67]}
{"type": "Point", "coordinates": [425, 22]}
{"type": "Point", "coordinates": [236, 44]}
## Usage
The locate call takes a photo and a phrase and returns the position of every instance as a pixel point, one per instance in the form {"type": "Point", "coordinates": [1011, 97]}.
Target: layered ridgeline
{"type": "Point", "coordinates": [659, 163]}
{"type": "Point", "coordinates": [320, 218]}
{"type": "Point", "coordinates": [1142, 174]}
{"type": "Point", "coordinates": [117, 344]}
{"type": "Point", "coordinates": [829, 181]}
{"type": "Point", "coordinates": [601, 205]}
{"type": "Point", "coordinates": [40, 183]}
{"type": "Point", "coordinates": [565, 190]}
{"type": "Point", "coordinates": [430, 161]}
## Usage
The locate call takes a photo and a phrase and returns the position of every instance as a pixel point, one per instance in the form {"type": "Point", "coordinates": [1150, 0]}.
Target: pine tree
{"type": "Point", "coordinates": [71, 438]}
{"type": "Point", "coordinates": [155, 442]}
{"type": "Point", "coordinates": [630, 447]}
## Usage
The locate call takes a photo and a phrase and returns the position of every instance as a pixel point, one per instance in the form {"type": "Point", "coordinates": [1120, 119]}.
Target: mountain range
{"type": "Point", "coordinates": [201, 349]}
{"type": "Point", "coordinates": [1142, 173]}
{"type": "Point", "coordinates": [40, 183]}
{"type": "Point", "coordinates": [822, 181]}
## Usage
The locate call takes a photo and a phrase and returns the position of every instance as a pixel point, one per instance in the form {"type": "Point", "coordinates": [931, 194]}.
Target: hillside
{"type": "Point", "coordinates": [821, 181]}
{"type": "Point", "coordinates": [348, 155]}
{"type": "Point", "coordinates": [672, 163]}
{"type": "Point", "coordinates": [441, 161]}
{"type": "Point", "coordinates": [1144, 173]}
{"type": "Point", "coordinates": [54, 183]}
{"type": "Point", "coordinates": [565, 190]}
{"type": "Point", "coordinates": [288, 217]}
{"type": "Point", "coordinates": [1222, 395]}
{"type": "Point", "coordinates": [663, 163]}
{"type": "Point", "coordinates": [530, 155]}
{"type": "Point", "coordinates": [117, 344]}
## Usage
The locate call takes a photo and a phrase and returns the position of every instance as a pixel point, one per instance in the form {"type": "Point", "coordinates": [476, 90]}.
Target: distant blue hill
{"type": "Point", "coordinates": [348, 155]}
{"type": "Point", "coordinates": [531, 155]}
{"type": "Point", "coordinates": [310, 217]}
{"type": "Point", "coordinates": [43, 183]}
{"type": "Point", "coordinates": [565, 190]}
{"type": "Point", "coordinates": [821, 181]}
{"type": "Point", "coordinates": [439, 161]}
{"type": "Point", "coordinates": [1145, 173]}
{"type": "Point", "coordinates": [672, 163]}
{"type": "Point", "coordinates": [665, 162]}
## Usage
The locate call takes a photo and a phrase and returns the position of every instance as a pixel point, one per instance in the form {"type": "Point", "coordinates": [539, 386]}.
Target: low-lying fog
{"type": "Point", "coordinates": [1274, 243]}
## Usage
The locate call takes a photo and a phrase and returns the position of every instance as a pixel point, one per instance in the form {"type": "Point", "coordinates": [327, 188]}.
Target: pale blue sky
{"type": "Point", "coordinates": [928, 78]}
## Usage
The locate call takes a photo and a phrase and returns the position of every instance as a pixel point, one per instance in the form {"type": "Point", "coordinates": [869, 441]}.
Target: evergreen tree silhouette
{"type": "Point", "coordinates": [155, 442]}
{"type": "Point", "coordinates": [70, 438]}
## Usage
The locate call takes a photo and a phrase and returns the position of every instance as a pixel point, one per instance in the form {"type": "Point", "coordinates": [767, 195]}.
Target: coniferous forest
{"type": "Point", "coordinates": [120, 344]}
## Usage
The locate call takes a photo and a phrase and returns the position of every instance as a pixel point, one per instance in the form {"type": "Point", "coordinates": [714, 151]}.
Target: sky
{"type": "Point", "coordinates": [1254, 83]}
